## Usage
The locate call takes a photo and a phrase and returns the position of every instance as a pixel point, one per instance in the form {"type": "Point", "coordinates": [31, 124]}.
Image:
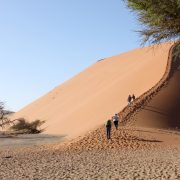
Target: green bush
{"type": "Point", "coordinates": [160, 19]}
{"type": "Point", "coordinates": [28, 127]}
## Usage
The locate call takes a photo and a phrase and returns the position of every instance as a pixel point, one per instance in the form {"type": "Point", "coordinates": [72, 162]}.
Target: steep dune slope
{"type": "Point", "coordinates": [163, 111]}
{"type": "Point", "coordinates": [87, 100]}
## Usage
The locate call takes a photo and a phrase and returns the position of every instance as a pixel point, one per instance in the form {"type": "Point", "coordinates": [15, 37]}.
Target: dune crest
{"type": "Point", "coordinates": [94, 95]}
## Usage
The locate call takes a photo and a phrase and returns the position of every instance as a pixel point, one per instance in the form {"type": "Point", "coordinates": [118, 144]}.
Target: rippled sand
{"type": "Point", "coordinates": [130, 154]}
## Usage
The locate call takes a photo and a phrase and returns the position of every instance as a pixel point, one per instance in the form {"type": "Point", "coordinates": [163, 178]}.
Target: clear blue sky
{"type": "Point", "coordinates": [45, 42]}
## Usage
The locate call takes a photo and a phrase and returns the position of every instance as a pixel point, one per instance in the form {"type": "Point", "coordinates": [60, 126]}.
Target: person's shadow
{"type": "Point", "coordinates": [144, 140]}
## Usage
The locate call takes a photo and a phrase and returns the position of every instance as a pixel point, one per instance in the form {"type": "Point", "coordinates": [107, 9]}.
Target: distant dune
{"type": "Point", "coordinates": [87, 100]}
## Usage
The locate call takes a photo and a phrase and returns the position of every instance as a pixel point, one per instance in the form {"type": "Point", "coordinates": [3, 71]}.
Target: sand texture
{"type": "Point", "coordinates": [94, 95]}
{"type": "Point", "coordinates": [130, 154]}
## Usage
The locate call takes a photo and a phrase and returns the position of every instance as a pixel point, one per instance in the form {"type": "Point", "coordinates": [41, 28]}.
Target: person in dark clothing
{"type": "Point", "coordinates": [133, 97]}
{"type": "Point", "coordinates": [116, 121]}
{"type": "Point", "coordinates": [129, 99]}
{"type": "Point", "coordinates": [108, 129]}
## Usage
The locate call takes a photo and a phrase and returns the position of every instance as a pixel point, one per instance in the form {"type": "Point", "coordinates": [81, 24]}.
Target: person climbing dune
{"type": "Point", "coordinates": [133, 97]}
{"type": "Point", "coordinates": [129, 99]}
{"type": "Point", "coordinates": [116, 120]}
{"type": "Point", "coordinates": [108, 129]}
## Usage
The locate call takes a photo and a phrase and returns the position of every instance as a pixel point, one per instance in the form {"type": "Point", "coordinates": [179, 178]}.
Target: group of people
{"type": "Point", "coordinates": [131, 98]}
{"type": "Point", "coordinates": [115, 118]}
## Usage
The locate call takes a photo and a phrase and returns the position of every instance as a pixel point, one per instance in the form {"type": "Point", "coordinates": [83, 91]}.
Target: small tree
{"type": "Point", "coordinates": [4, 120]}
{"type": "Point", "coordinates": [160, 19]}
{"type": "Point", "coordinates": [1, 110]}
{"type": "Point", "coordinates": [28, 127]}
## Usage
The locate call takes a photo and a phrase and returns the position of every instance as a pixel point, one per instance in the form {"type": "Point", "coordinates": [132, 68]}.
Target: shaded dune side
{"type": "Point", "coordinates": [163, 110]}
{"type": "Point", "coordinates": [87, 100]}
{"type": "Point", "coordinates": [172, 66]}
{"type": "Point", "coordinates": [131, 137]}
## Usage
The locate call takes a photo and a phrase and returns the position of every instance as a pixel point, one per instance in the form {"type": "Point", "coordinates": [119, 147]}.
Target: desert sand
{"type": "Point", "coordinates": [87, 100]}
{"type": "Point", "coordinates": [141, 148]}
{"type": "Point", "coordinates": [130, 154]}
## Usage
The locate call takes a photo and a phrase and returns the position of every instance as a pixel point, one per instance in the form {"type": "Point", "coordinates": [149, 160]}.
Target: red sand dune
{"type": "Point", "coordinates": [90, 98]}
{"type": "Point", "coordinates": [163, 110]}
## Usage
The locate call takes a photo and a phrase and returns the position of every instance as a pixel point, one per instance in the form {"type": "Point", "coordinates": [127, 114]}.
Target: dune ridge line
{"type": "Point", "coordinates": [129, 111]}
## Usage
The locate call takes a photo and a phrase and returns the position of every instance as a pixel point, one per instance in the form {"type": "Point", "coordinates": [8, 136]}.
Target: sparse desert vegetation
{"type": "Point", "coordinates": [25, 127]}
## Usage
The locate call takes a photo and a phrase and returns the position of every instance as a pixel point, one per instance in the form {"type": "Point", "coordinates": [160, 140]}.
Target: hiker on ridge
{"type": "Point", "coordinates": [116, 120]}
{"type": "Point", "coordinates": [108, 129]}
{"type": "Point", "coordinates": [129, 99]}
{"type": "Point", "coordinates": [133, 97]}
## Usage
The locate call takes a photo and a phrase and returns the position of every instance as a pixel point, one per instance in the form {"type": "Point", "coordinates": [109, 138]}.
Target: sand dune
{"type": "Point", "coordinates": [133, 152]}
{"type": "Point", "coordinates": [156, 109]}
{"type": "Point", "coordinates": [163, 111]}
{"type": "Point", "coordinates": [88, 99]}
{"type": "Point", "coordinates": [159, 107]}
